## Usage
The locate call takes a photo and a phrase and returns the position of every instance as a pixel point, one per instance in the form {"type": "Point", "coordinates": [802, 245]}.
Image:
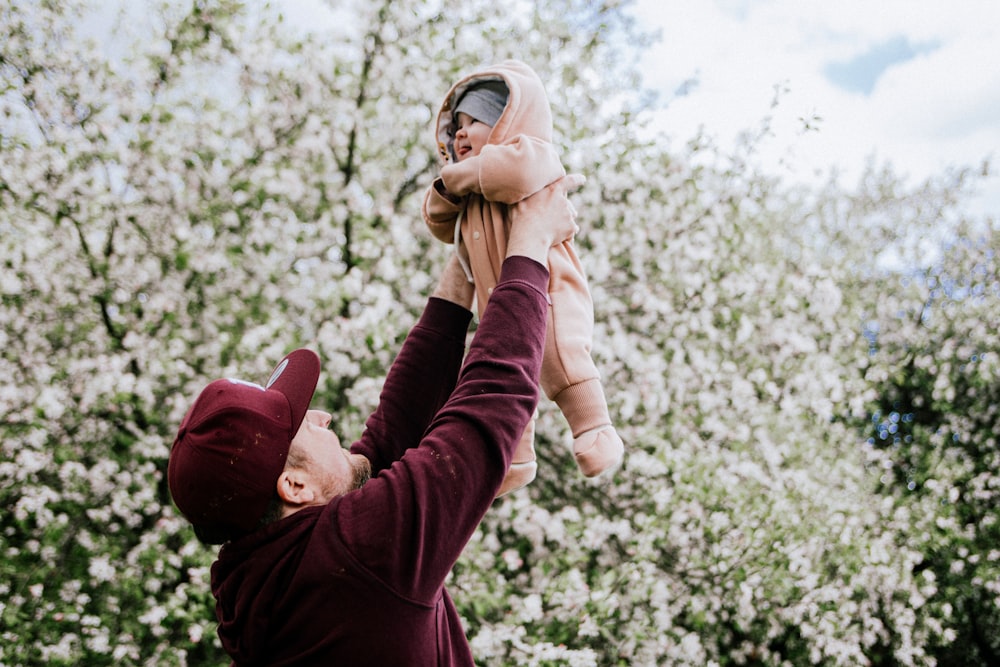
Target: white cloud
{"type": "Point", "coordinates": [937, 109]}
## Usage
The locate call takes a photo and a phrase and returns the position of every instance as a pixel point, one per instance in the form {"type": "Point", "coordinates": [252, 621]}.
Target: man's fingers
{"type": "Point", "coordinates": [574, 181]}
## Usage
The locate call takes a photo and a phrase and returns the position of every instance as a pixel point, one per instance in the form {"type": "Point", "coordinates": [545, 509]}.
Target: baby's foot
{"type": "Point", "coordinates": [598, 451]}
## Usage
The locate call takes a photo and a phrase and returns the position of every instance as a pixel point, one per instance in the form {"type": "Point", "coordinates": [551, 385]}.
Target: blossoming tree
{"type": "Point", "coordinates": [204, 187]}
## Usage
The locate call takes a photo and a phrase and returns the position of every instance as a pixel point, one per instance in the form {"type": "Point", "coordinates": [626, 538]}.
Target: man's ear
{"type": "Point", "coordinates": [294, 489]}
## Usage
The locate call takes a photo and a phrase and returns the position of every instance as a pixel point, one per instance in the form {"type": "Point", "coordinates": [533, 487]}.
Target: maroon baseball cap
{"type": "Point", "coordinates": [232, 445]}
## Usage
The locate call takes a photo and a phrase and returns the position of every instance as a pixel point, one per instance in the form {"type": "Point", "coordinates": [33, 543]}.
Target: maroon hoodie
{"type": "Point", "coordinates": [360, 581]}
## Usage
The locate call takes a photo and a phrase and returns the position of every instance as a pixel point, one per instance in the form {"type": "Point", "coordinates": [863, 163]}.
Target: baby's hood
{"type": "Point", "coordinates": [527, 111]}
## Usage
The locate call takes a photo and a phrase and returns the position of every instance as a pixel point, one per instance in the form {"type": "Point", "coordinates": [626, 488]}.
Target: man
{"type": "Point", "coordinates": [322, 565]}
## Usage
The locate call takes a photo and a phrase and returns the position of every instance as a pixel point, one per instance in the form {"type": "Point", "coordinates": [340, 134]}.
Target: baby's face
{"type": "Point", "coordinates": [470, 136]}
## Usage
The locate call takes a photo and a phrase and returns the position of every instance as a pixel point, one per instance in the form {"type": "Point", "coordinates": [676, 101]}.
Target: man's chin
{"type": "Point", "coordinates": [361, 471]}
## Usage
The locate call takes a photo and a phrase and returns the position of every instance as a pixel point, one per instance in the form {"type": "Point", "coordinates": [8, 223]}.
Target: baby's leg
{"type": "Point", "coordinates": [569, 375]}
{"type": "Point", "coordinates": [523, 466]}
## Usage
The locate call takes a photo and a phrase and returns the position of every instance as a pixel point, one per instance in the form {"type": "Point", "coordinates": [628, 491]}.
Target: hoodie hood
{"type": "Point", "coordinates": [250, 581]}
{"type": "Point", "coordinates": [527, 111]}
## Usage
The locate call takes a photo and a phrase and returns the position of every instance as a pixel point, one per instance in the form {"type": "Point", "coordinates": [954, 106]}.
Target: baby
{"type": "Point", "coordinates": [494, 135]}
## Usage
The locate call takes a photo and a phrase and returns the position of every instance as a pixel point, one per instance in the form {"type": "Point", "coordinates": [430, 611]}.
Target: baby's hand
{"type": "Point", "coordinates": [439, 186]}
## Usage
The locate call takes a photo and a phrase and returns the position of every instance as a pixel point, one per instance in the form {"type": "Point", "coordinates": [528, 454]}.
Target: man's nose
{"type": "Point", "coordinates": [321, 418]}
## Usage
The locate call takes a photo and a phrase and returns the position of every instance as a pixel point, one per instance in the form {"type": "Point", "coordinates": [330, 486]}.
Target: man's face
{"type": "Point", "coordinates": [470, 136]}
{"type": "Point", "coordinates": [331, 470]}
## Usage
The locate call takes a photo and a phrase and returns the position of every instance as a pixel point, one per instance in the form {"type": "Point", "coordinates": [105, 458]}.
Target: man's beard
{"type": "Point", "coordinates": [361, 472]}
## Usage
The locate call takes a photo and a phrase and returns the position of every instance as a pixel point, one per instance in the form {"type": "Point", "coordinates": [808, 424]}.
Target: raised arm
{"type": "Point", "coordinates": [505, 173]}
{"type": "Point", "coordinates": [423, 374]}
{"type": "Point", "coordinates": [409, 525]}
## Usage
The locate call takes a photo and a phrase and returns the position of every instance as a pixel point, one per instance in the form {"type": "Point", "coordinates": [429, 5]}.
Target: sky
{"type": "Point", "coordinates": [915, 83]}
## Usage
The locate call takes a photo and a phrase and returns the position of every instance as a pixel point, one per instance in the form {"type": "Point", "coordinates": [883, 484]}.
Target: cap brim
{"type": "Point", "coordinates": [296, 376]}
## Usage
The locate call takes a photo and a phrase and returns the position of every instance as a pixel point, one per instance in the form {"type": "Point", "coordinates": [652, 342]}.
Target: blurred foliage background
{"type": "Point", "coordinates": [806, 378]}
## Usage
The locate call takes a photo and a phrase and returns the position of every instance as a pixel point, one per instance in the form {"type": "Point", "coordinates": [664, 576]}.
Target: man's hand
{"type": "Point", "coordinates": [543, 220]}
{"type": "Point", "coordinates": [453, 285]}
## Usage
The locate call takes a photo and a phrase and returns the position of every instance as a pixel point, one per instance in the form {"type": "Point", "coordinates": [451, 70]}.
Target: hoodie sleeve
{"type": "Point", "coordinates": [418, 383]}
{"type": "Point", "coordinates": [505, 173]}
{"type": "Point", "coordinates": [408, 526]}
{"type": "Point", "coordinates": [440, 211]}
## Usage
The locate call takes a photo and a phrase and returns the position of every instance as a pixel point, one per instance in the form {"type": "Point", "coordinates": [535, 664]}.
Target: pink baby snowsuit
{"type": "Point", "coordinates": [468, 205]}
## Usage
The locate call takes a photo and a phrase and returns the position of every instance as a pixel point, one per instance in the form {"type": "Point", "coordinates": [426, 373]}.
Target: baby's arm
{"type": "Point", "coordinates": [440, 210]}
{"type": "Point", "coordinates": [461, 178]}
{"type": "Point", "coordinates": [505, 173]}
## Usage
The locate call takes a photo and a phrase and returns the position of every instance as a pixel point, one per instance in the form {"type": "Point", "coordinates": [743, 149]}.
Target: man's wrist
{"type": "Point", "coordinates": [530, 247]}
{"type": "Point", "coordinates": [454, 286]}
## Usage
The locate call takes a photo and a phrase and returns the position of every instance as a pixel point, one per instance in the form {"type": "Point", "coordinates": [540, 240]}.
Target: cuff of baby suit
{"type": "Point", "coordinates": [584, 406]}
